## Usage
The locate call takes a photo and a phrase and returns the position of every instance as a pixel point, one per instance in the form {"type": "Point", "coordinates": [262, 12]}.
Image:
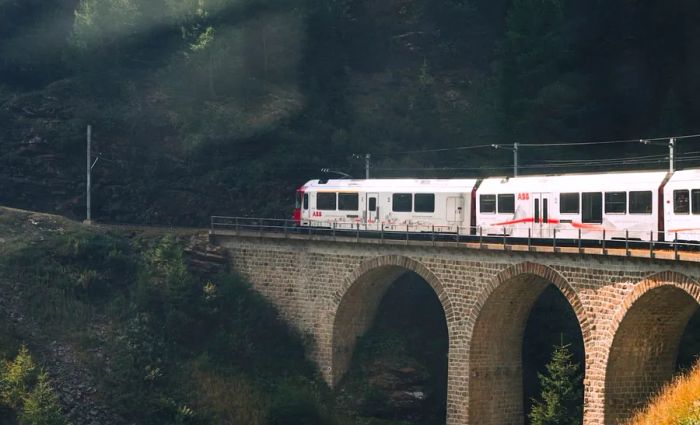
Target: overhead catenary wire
{"type": "Point", "coordinates": [549, 145]}
{"type": "Point", "coordinates": [544, 166]}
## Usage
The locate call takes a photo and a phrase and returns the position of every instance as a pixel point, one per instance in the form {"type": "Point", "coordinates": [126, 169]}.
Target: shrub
{"type": "Point", "coordinates": [41, 405]}
{"type": "Point", "coordinates": [295, 405]}
{"type": "Point", "coordinates": [16, 379]}
{"type": "Point", "coordinates": [27, 392]}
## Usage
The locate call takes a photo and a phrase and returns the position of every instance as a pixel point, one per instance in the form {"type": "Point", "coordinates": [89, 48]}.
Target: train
{"type": "Point", "coordinates": [636, 205]}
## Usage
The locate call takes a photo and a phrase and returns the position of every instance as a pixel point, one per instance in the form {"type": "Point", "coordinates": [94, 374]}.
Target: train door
{"type": "Point", "coordinates": [372, 208]}
{"type": "Point", "coordinates": [454, 210]}
{"type": "Point", "coordinates": [541, 223]}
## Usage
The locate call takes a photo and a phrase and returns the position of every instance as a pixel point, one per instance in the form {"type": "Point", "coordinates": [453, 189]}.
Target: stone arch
{"type": "Point", "coordinates": [644, 335]}
{"type": "Point", "coordinates": [496, 327]}
{"type": "Point", "coordinates": [355, 304]}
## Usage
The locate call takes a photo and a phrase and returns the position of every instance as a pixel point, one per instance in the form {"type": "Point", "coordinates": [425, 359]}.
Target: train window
{"type": "Point", "coordinates": [640, 202]}
{"type": "Point", "coordinates": [373, 204]}
{"type": "Point", "coordinates": [695, 200]}
{"type": "Point", "coordinates": [487, 203]}
{"type": "Point", "coordinates": [592, 207]}
{"type": "Point", "coordinates": [325, 201]}
{"type": "Point", "coordinates": [306, 201]}
{"type": "Point", "coordinates": [424, 202]}
{"type": "Point", "coordinates": [506, 203]}
{"type": "Point", "coordinates": [615, 202]}
{"type": "Point", "coordinates": [681, 204]}
{"type": "Point", "coordinates": [569, 203]}
{"type": "Point", "coordinates": [348, 202]}
{"type": "Point", "coordinates": [402, 202]}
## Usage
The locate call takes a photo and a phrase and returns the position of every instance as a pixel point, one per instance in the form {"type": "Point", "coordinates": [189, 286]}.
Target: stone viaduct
{"type": "Point", "coordinates": [632, 312]}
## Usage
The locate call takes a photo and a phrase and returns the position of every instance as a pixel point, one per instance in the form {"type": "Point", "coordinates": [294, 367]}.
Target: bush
{"type": "Point", "coordinates": [295, 405]}
{"type": "Point", "coordinates": [16, 379]}
{"type": "Point", "coordinates": [41, 405]}
{"type": "Point", "coordinates": [26, 391]}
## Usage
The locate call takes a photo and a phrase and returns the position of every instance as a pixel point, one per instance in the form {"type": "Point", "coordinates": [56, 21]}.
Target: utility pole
{"type": "Point", "coordinates": [671, 146]}
{"type": "Point", "coordinates": [515, 155]}
{"type": "Point", "coordinates": [88, 219]}
{"type": "Point", "coordinates": [367, 158]}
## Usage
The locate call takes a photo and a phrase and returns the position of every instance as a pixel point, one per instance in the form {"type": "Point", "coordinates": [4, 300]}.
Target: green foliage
{"type": "Point", "coordinates": [561, 399]}
{"type": "Point", "coordinates": [540, 97]}
{"type": "Point", "coordinates": [296, 405]}
{"type": "Point", "coordinates": [177, 318]}
{"type": "Point", "coordinates": [26, 391]}
{"type": "Point", "coordinates": [16, 379]}
{"type": "Point", "coordinates": [41, 405]}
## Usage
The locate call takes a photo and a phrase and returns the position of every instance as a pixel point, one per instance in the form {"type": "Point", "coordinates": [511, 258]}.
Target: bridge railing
{"type": "Point", "coordinates": [581, 238]}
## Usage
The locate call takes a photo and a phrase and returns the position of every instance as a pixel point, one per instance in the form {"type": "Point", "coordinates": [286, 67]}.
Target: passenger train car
{"type": "Point", "coordinates": [646, 206]}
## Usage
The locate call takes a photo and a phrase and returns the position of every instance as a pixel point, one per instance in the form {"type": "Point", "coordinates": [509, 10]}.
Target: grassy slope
{"type": "Point", "coordinates": [677, 404]}
{"type": "Point", "coordinates": [156, 342]}
{"type": "Point", "coordinates": [126, 327]}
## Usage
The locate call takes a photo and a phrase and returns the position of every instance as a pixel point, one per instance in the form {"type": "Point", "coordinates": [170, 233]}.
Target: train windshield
{"type": "Point", "coordinates": [297, 200]}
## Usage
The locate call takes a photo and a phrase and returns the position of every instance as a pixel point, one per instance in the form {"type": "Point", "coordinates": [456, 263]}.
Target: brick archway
{"type": "Point", "coordinates": [645, 334]}
{"type": "Point", "coordinates": [496, 326]}
{"type": "Point", "coordinates": [355, 303]}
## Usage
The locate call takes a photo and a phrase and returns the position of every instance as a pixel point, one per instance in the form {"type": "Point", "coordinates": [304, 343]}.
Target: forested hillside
{"type": "Point", "coordinates": [204, 107]}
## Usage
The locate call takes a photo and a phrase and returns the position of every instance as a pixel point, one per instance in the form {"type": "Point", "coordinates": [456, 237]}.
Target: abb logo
{"type": "Point", "coordinates": [523, 196]}
{"type": "Point", "coordinates": [316, 214]}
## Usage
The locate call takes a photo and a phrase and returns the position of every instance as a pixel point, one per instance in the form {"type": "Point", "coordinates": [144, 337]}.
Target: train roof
{"type": "Point", "coordinates": [682, 177]}
{"type": "Point", "coordinates": [635, 180]}
{"type": "Point", "coordinates": [393, 185]}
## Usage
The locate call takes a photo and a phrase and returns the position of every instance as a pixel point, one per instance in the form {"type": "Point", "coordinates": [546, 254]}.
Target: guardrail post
{"type": "Point", "coordinates": [627, 243]}
{"type": "Point", "coordinates": [505, 241]}
{"type": "Point", "coordinates": [357, 234]}
{"type": "Point", "coordinates": [211, 225]}
{"type": "Point", "coordinates": [457, 235]}
{"type": "Point", "coordinates": [237, 225]}
{"type": "Point", "coordinates": [481, 237]}
{"type": "Point", "coordinates": [333, 230]}
{"type": "Point", "coordinates": [432, 234]}
{"type": "Point", "coordinates": [407, 234]}
{"type": "Point", "coordinates": [579, 242]}
{"type": "Point", "coordinates": [675, 246]}
{"type": "Point", "coordinates": [285, 228]}
{"type": "Point", "coordinates": [604, 251]}
{"type": "Point", "coordinates": [554, 239]}
{"type": "Point", "coordinates": [529, 239]}
{"type": "Point", "coordinates": [381, 232]}
{"type": "Point", "coordinates": [651, 244]}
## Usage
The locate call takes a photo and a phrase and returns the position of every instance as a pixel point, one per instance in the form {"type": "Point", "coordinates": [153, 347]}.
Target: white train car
{"type": "Point", "coordinates": [415, 205]}
{"type": "Point", "coordinates": [616, 205]}
{"type": "Point", "coordinates": [682, 206]}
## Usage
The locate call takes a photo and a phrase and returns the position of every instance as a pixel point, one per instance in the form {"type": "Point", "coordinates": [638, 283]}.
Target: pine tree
{"type": "Point", "coordinates": [41, 405]}
{"type": "Point", "coordinates": [561, 397]}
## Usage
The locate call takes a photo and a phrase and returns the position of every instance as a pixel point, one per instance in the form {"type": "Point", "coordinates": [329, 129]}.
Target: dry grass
{"type": "Point", "coordinates": [677, 403]}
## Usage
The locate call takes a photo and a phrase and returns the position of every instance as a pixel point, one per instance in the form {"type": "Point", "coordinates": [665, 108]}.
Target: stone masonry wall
{"type": "Point", "coordinates": [330, 291]}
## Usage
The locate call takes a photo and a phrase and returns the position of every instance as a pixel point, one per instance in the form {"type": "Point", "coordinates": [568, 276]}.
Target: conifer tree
{"type": "Point", "coordinates": [561, 397]}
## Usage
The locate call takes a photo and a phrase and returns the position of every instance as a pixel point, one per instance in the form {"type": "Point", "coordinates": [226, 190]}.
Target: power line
{"type": "Point", "coordinates": [587, 164]}
{"type": "Point", "coordinates": [457, 148]}
{"type": "Point", "coordinates": [563, 144]}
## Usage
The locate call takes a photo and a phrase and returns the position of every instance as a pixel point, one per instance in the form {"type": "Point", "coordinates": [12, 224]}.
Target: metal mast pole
{"type": "Point", "coordinates": [367, 157]}
{"type": "Point", "coordinates": [515, 159]}
{"type": "Point", "coordinates": [89, 169]}
{"type": "Point", "coordinates": [671, 146]}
